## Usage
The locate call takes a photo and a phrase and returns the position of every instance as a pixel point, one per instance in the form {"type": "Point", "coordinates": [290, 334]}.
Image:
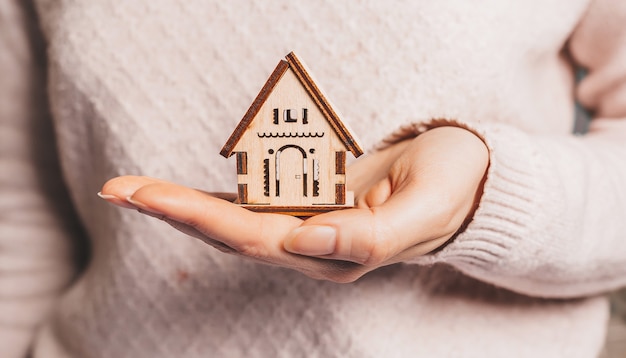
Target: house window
{"type": "Point", "coordinates": [275, 115]}
{"type": "Point", "coordinates": [290, 115]}
{"type": "Point", "coordinates": [242, 193]}
{"type": "Point", "coordinates": [340, 162]}
{"type": "Point", "coordinates": [316, 177]}
{"type": "Point", "coordinates": [266, 176]}
{"type": "Point", "coordinates": [340, 194]}
{"type": "Point", "coordinates": [242, 163]}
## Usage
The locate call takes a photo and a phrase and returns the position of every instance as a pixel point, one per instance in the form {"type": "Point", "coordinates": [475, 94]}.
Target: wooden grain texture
{"type": "Point", "coordinates": [340, 194]}
{"type": "Point", "coordinates": [242, 163]}
{"type": "Point", "coordinates": [285, 159]}
{"type": "Point", "coordinates": [242, 193]}
{"type": "Point", "coordinates": [320, 99]}
{"type": "Point", "coordinates": [296, 65]}
{"type": "Point", "coordinates": [291, 147]}
{"type": "Point", "coordinates": [340, 162]}
{"type": "Point", "coordinates": [303, 211]}
{"type": "Point", "coordinates": [251, 113]}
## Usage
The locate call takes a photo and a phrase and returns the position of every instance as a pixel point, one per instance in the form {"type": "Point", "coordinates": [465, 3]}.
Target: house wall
{"type": "Point", "coordinates": [269, 137]}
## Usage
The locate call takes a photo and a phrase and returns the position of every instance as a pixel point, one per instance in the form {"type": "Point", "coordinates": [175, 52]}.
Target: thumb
{"type": "Point", "coordinates": [381, 231]}
{"type": "Point", "coordinates": [430, 191]}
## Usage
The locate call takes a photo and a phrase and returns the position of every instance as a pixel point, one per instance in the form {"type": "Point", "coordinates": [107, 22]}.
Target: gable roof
{"type": "Point", "coordinates": [311, 88]}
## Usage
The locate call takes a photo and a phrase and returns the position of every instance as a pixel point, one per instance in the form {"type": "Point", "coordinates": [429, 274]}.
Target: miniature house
{"type": "Point", "coordinates": [291, 147]}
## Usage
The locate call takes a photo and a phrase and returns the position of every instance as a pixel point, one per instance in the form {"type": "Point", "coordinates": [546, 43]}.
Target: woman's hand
{"type": "Point", "coordinates": [412, 198]}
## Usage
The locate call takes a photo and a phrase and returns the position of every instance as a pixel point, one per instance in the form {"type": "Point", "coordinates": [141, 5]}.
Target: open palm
{"type": "Point", "coordinates": [411, 199]}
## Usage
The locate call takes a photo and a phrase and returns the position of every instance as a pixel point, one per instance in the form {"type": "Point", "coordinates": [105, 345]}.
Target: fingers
{"type": "Point", "coordinates": [193, 232]}
{"type": "Point", "coordinates": [372, 168]}
{"type": "Point", "coordinates": [428, 194]}
{"type": "Point", "coordinates": [255, 235]}
{"type": "Point", "coordinates": [417, 197]}
{"type": "Point", "coordinates": [118, 189]}
{"type": "Point", "coordinates": [374, 235]}
{"type": "Point", "coordinates": [395, 220]}
{"type": "Point", "coordinates": [225, 226]}
{"type": "Point", "coordinates": [377, 195]}
{"type": "Point", "coordinates": [215, 217]}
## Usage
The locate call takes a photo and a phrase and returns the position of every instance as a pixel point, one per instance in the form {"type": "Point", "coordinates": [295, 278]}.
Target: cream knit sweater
{"type": "Point", "coordinates": [154, 87]}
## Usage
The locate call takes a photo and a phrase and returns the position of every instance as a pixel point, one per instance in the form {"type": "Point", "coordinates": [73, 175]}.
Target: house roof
{"type": "Point", "coordinates": [311, 88]}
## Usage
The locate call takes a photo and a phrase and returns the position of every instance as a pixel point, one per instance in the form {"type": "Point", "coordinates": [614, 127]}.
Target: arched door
{"type": "Point", "coordinates": [291, 175]}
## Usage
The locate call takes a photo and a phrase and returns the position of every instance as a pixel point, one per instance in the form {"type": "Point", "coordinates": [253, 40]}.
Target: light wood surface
{"type": "Point", "coordinates": [291, 147]}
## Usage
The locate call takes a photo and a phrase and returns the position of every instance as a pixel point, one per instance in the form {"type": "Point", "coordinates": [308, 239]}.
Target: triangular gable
{"type": "Point", "coordinates": [311, 88]}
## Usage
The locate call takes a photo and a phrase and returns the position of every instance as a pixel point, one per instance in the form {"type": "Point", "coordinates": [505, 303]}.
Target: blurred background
{"type": "Point", "coordinates": [615, 346]}
{"type": "Point", "coordinates": [616, 337]}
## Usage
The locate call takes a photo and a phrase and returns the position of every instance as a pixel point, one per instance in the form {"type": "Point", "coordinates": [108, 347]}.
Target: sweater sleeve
{"type": "Point", "coordinates": [552, 218]}
{"type": "Point", "coordinates": [36, 259]}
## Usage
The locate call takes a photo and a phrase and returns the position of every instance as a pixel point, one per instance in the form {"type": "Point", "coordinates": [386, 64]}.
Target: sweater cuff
{"type": "Point", "coordinates": [506, 206]}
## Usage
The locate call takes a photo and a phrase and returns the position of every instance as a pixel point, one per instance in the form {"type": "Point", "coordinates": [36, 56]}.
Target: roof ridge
{"type": "Point", "coordinates": [301, 72]}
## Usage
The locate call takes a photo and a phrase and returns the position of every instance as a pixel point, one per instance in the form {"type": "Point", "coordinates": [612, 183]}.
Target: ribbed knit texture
{"type": "Point", "coordinates": [155, 87]}
{"type": "Point", "coordinates": [36, 260]}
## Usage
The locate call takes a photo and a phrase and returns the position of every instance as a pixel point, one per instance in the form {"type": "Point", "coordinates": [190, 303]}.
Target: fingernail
{"type": "Point", "coordinates": [106, 196]}
{"type": "Point", "coordinates": [143, 207]}
{"type": "Point", "coordinates": [312, 240]}
{"type": "Point", "coordinates": [116, 201]}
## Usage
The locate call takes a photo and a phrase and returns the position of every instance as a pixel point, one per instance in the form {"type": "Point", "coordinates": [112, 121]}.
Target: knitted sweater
{"type": "Point", "coordinates": [155, 87]}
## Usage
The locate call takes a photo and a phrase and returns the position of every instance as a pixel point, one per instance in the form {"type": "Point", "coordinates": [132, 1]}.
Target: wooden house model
{"type": "Point", "coordinates": [291, 147]}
